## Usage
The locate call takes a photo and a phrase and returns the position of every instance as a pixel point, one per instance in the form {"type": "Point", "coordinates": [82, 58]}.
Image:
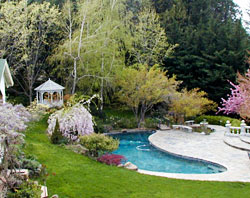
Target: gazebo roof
{"type": "Point", "coordinates": [49, 86]}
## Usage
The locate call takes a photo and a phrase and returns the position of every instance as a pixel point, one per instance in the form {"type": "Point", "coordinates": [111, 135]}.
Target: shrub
{"type": "Point", "coordinates": [98, 144]}
{"type": "Point", "coordinates": [20, 99]}
{"type": "Point", "coordinates": [111, 159]}
{"type": "Point", "coordinates": [57, 137]}
{"type": "Point", "coordinates": [218, 120]}
{"type": "Point", "coordinates": [13, 120]}
{"type": "Point", "coordinates": [31, 164]}
{"type": "Point", "coordinates": [14, 117]}
{"type": "Point", "coordinates": [125, 123]}
{"type": "Point", "coordinates": [27, 189]}
{"type": "Point", "coordinates": [151, 123]}
{"type": "Point", "coordinates": [37, 110]}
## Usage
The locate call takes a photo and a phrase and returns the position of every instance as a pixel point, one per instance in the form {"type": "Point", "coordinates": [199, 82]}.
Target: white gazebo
{"type": "Point", "coordinates": [50, 93]}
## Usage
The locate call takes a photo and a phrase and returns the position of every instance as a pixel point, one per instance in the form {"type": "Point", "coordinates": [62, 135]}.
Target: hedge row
{"type": "Point", "coordinates": [218, 120]}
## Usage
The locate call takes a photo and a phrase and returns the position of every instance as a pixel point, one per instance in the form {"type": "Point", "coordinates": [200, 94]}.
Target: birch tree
{"type": "Point", "coordinates": [92, 50]}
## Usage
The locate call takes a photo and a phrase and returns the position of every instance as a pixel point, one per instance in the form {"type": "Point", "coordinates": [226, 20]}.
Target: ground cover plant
{"type": "Point", "coordinates": [75, 176]}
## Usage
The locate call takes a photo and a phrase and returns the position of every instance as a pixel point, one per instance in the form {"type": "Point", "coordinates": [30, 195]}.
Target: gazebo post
{"type": "Point", "coordinates": [37, 97]}
{"type": "Point", "coordinates": [51, 95]}
{"type": "Point", "coordinates": [42, 97]}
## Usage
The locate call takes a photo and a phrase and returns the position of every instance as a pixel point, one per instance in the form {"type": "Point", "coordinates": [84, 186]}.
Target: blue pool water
{"type": "Point", "coordinates": [137, 149]}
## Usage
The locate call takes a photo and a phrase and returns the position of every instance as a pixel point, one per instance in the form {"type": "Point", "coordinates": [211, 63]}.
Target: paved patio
{"type": "Point", "coordinates": [207, 147]}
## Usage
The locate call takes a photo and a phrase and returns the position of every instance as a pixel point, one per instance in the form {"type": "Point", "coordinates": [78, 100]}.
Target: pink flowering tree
{"type": "Point", "coordinates": [239, 100]}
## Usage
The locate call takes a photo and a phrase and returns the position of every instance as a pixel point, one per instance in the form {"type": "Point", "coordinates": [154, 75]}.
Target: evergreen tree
{"type": "Point", "coordinates": [57, 137]}
{"type": "Point", "coordinates": [212, 43]}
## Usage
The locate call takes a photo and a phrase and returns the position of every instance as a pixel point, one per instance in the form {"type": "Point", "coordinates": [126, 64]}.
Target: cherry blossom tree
{"type": "Point", "coordinates": [239, 100]}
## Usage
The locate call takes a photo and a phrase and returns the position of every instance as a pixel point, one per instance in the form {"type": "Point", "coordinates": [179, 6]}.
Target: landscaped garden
{"type": "Point", "coordinates": [75, 175]}
{"type": "Point", "coordinates": [124, 98]}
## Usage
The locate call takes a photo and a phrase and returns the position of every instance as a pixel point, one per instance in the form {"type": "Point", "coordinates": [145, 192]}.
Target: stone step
{"type": "Point", "coordinates": [245, 139]}
{"type": "Point", "coordinates": [236, 142]}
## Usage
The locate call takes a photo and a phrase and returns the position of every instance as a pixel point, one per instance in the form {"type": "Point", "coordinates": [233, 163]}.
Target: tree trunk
{"type": "Point", "coordinates": [102, 82]}
{"type": "Point", "coordinates": [141, 119]}
{"type": "Point", "coordinates": [74, 77]}
{"type": "Point", "coordinates": [30, 94]}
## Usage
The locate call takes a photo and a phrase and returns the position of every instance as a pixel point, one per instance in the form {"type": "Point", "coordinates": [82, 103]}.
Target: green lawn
{"type": "Point", "coordinates": [77, 176]}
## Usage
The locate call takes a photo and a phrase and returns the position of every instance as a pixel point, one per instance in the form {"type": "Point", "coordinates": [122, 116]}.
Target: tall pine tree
{"type": "Point", "coordinates": [212, 43]}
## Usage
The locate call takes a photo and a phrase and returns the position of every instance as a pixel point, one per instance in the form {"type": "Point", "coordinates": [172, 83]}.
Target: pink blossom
{"type": "Point", "coordinates": [239, 99]}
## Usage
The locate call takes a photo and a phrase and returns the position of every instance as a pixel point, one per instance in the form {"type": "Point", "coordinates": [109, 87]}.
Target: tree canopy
{"type": "Point", "coordinates": [212, 43]}
{"type": "Point", "coordinates": [83, 44]}
{"type": "Point", "coordinates": [141, 87]}
{"type": "Point", "coordinates": [28, 34]}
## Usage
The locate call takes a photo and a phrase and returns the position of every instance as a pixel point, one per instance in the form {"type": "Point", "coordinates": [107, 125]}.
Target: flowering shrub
{"type": "Point", "coordinates": [37, 110]}
{"type": "Point", "coordinates": [13, 118]}
{"type": "Point", "coordinates": [111, 159]}
{"type": "Point", "coordinates": [74, 121]}
{"type": "Point", "coordinates": [98, 144]}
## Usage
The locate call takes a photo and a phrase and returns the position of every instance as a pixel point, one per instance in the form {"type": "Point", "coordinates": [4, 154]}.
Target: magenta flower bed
{"type": "Point", "coordinates": [111, 159]}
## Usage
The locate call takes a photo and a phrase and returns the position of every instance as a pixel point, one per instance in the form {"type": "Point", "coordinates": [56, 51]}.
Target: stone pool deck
{"type": "Point", "coordinates": [206, 147]}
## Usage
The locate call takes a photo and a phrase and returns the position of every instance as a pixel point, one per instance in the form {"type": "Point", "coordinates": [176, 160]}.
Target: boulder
{"type": "Point", "coordinates": [120, 165]}
{"type": "Point", "coordinates": [130, 166]}
{"type": "Point", "coordinates": [124, 131]}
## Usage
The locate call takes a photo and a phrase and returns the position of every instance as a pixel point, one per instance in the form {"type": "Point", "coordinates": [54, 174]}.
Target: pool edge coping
{"type": "Point", "coordinates": [189, 158]}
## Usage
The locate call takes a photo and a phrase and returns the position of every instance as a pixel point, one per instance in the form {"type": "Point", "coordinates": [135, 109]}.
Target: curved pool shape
{"type": "Point", "coordinates": [137, 149]}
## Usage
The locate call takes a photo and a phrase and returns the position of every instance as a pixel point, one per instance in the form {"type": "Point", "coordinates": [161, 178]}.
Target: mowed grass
{"type": "Point", "coordinates": [77, 176]}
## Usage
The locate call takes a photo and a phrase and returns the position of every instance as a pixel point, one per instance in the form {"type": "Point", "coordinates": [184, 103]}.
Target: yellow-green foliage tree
{"type": "Point", "coordinates": [141, 87]}
{"type": "Point", "coordinates": [190, 103]}
{"type": "Point", "coordinates": [28, 33]}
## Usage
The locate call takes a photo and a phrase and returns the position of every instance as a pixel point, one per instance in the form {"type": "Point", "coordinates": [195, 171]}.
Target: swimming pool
{"type": "Point", "coordinates": [137, 149]}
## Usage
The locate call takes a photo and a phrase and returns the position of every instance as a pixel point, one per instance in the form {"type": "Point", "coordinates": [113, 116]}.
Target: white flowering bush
{"type": "Point", "coordinates": [73, 122]}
